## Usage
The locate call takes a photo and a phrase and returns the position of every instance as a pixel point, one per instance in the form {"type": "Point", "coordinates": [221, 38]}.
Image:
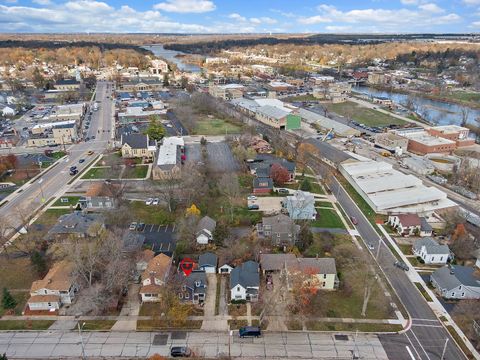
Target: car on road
{"type": "Point", "coordinates": [249, 331]}
{"type": "Point", "coordinates": [81, 161]}
{"type": "Point", "coordinates": [72, 168]}
{"type": "Point", "coordinates": [401, 265]}
{"type": "Point", "coordinates": [140, 226]}
{"type": "Point", "coordinates": [371, 247]}
{"type": "Point", "coordinates": [155, 201]}
{"type": "Point", "coordinates": [149, 201]}
{"type": "Point", "coordinates": [133, 226]}
{"type": "Point", "coordinates": [73, 172]}
{"type": "Point", "coordinates": [354, 220]}
{"type": "Point", "coordinates": [180, 351]}
{"type": "Point", "coordinates": [90, 152]}
{"type": "Point", "coordinates": [253, 207]}
{"type": "Point", "coordinates": [251, 197]}
{"type": "Point", "coordinates": [93, 137]}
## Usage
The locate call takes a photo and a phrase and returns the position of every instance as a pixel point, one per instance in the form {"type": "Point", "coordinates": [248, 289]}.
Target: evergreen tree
{"type": "Point", "coordinates": [39, 263]}
{"type": "Point", "coordinates": [8, 302]}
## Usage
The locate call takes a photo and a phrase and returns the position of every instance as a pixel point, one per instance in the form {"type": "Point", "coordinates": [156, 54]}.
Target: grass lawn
{"type": "Point", "coordinates": [324, 204]}
{"type": "Point", "coordinates": [406, 249]}
{"type": "Point", "coordinates": [237, 324]}
{"type": "Point", "coordinates": [57, 155]}
{"type": "Point", "coordinates": [102, 173]}
{"type": "Point", "coordinates": [21, 298]}
{"type": "Point", "coordinates": [155, 215]}
{"type": "Point", "coordinates": [98, 325]}
{"type": "Point", "coordinates": [302, 98]}
{"type": "Point", "coordinates": [25, 324]}
{"type": "Point", "coordinates": [72, 200]}
{"type": "Point", "coordinates": [50, 217]}
{"type": "Point", "coordinates": [464, 96]}
{"type": "Point", "coordinates": [324, 326]}
{"type": "Point", "coordinates": [237, 309]}
{"type": "Point", "coordinates": [459, 341]}
{"type": "Point", "coordinates": [362, 114]}
{"type": "Point", "coordinates": [423, 291]}
{"type": "Point", "coordinates": [294, 325]}
{"type": "Point", "coordinates": [327, 218]}
{"type": "Point", "coordinates": [16, 273]}
{"type": "Point", "coordinates": [216, 127]}
{"type": "Point", "coordinates": [137, 172]}
{"type": "Point", "coordinates": [154, 325]}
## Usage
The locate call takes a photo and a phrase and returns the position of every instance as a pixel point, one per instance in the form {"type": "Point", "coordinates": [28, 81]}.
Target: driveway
{"type": "Point", "coordinates": [210, 321]}
{"type": "Point", "coordinates": [268, 204]}
{"type": "Point", "coordinates": [130, 308]}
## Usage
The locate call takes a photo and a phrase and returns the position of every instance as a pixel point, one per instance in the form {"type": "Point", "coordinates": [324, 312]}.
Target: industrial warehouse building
{"type": "Point", "coordinates": [327, 124]}
{"type": "Point", "coordinates": [389, 191]}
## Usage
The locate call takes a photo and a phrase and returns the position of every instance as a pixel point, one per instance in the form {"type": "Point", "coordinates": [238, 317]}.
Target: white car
{"type": "Point", "coordinates": [155, 201]}
{"type": "Point", "coordinates": [371, 247]}
{"type": "Point", "coordinates": [149, 201]}
{"type": "Point", "coordinates": [252, 197]}
{"type": "Point", "coordinates": [133, 226]}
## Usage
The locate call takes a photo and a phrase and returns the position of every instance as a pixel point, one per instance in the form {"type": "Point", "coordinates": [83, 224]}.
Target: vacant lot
{"type": "Point", "coordinates": [219, 156]}
{"type": "Point", "coordinates": [135, 172]}
{"type": "Point", "coordinates": [208, 126]}
{"type": "Point", "coordinates": [327, 218]}
{"type": "Point", "coordinates": [150, 214]}
{"type": "Point", "coordinates": [102, 173]}
{"type": "Point", "coordinates": [362, 114]}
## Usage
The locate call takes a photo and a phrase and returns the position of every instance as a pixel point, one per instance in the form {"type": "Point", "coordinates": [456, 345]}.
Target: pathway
{"type": "Point", "coordinates": [130, 308]}
{"type": "Point", "coordinates": [212, 322]}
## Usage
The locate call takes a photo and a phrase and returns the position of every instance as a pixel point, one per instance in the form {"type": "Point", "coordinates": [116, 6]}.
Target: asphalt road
{"type": "Point", "coordinates": [55, 181]}
{"type": "Point", "coordinates": [426, 338]}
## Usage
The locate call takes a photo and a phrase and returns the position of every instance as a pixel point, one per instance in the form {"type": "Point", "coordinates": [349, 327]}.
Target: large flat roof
{"type": "Point", "coordinates": [425, 138]}
{"type": "Point", "coordinates": [167, 154]}
{"type": "Point", "coordinates": [449, 129]}
{"type": "Point", "coordinates": [326, 123]}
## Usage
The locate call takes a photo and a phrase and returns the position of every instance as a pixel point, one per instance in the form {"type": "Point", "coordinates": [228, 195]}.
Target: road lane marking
{"type": "Point", "coordinates": [426, 325]}
{"type": "Point", "coordinates": [419, 343]}
{"type": "Point", "coordinates": [410, 341]}
{"type": "Point", "coordinates": [410, 353]}
{"type": "Point", "coordinates": [418, 319]}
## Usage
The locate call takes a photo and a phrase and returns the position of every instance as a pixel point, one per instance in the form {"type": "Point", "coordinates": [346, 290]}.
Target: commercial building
{"type": "Point", "coordinates": [60, 133]}
{"type": "Point", "coordinates": [226, 92]}
{"type": "Point", "coordinates": [142, 84]}
{"type": "Point", "coordinates": [389, 191]}
{"type": "Point", "coordinates": [169, 159]}
{"type": "Point", "coordinates": [136, 114]}
{"type": "Point", "coordinates": [391, 141]}
{"type": "Point", "coordinates": [455, 133]}
{"type": "Point", "coordinates": [67, 112]}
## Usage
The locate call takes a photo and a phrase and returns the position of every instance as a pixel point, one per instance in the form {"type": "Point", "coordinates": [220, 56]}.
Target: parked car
{"type": "Point", "coordinates": [156, 201]}
{"type": "Point", "coordinates": [81, 161]}
{"type": "Point", "coordinates": [253, 207]}
{"type": "Point", "coordinates": [401, 265]}
{"type": "Point", "coordinates": [250, 331]}
{"type": "Point", "coordinates": [252, 197]}
{"type": "Point", "coordinates": [283, 191]}
{"type": "Point", "coordinates": [354, 220]}
{"type": "Point", "coordinates": [140, 226]}
{"type": "Point", "coordinates": [180, 351]}
{"type": "Point", "coordinates": [133, 226]}
{"type": "Point", "coordinates": [149, 201]}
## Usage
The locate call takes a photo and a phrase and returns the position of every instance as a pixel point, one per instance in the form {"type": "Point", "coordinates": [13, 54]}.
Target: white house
{"type": "Point", "coordinates": [8, 111]}
{"type": "Point", "coordinates": [54, 290]}
{"type": "Point", "coordinates": [456, 282]}
{"type": "Point", "coordinates": [225, 269]}
{"type": "Point", "coordinates": [205, 228]}
{"type": "Point", "coordinates": [430, 251]}
{"type": "Point", "coordinates": [245, 282]}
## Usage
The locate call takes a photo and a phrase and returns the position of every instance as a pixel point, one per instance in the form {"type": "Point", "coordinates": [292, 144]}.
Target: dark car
{"type": "Point", "coordinates": [283, 191]}
{"type": "Point", "coordinates": [250, 331]}
{"type": "Point", "coordinates": [140, 226]}
{"type": "Point", "coordinates": [253, 207]}
{"type": "Point", "coordinates": [354, 220]}
{"type": "Point", "coordinates": [72, 168]}
{"type": "Point", "coordinates": [81, 161]}
{"type": "Point", "coordinates": [401, 265]}
{"type": "Point", "coordinates": [74, 172]}
{"type": "Point", "coordinates": [180, 351]}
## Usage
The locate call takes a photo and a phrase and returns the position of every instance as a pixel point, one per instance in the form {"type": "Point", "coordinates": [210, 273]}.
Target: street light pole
{"type": "Point", "coordinates": [81, 339]}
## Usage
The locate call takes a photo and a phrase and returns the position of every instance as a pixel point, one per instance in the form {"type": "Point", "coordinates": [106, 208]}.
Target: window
{"type": "Point", "coordinates": [187, 296]}
{"type": "Point", "coordinates": [180, 295]}
{"type": "Point", "coordinates": [324, 276]}
{"type": "Point", "coordinates": [453, 294]}
{"type": "Point", "coordinates": [323, 284]}
{"type": "Point", "coordinates": [463, 294]}
{"type": "Point", "coordinates": [238, 288]}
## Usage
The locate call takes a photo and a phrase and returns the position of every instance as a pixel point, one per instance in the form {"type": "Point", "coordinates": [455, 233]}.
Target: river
{"type": "Point", "coordinates": [437, 112]}
{"type": "Point", "coordinates": [170, 55]}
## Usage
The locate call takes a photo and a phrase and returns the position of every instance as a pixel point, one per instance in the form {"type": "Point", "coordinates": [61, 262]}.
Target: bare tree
{"type": "Point", "coordinates": [465, 113]}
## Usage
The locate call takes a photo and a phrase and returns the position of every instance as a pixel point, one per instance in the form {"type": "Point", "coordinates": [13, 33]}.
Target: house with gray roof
{"type": "Point", "coordinates": [457, 282]}
{"type": "Point", "coordinates": [280, 229]}
{"type": "Point", "coordinates": [138, 146]}
{"type": "Point", "coordinates": [301, 206]}
{"type": "Point", "coordinates": [194, 288]}
{"type": "Point", "coordinates": [245, 282]}
{"type": "Point", "coordinates": [205, 228]}
{"type": "Point", "coordinates": [208, 262]}
{"type": "Point", "coordinates": [76, 224]}
{"type": "Point", "coordinates": [430, 251]}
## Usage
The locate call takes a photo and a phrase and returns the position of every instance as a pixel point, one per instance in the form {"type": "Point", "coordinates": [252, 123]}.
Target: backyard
{"type": "Point", "coordinates": [363, 115]}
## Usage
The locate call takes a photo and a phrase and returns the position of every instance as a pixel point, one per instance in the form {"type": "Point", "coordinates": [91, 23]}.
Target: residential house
{"type": "Point", "coordinates": [301, 206]}
{"type": "Point", "coordinates": [456, 282]}
{"type": "Point", "coordinates": [77, 224]}
{"type": "Point", "coordinates": [262, 185]}
{"type": "Point", "coordinates": [430, 251]}
{"type": "Point", "coordinates": [245, 282]}
{"type": "Point", "coordinates": [405, 224]}
{"type": "Point", "coordinates": [208, 263]}
{"type": "Point", "coordinates": [320, 273]}
{"type": "Point", "coordinates": [225, 269]}
{"type": "Point", "coordinates": [100, 196]}
{"type": "Point", "coordinates": [154, 277]}
{"type": "Point", "coordinates": [205, 228]}
{"type": "Point", "coordinates": [158, 67]}
{"type": "Point", "coordinates": [54, 290]}
{"type": "Point", "coordinates": [280, 229]}
{"type": "Point", "coordinates": [170, 158]}
{"type": "Point", "coordinates": [261, 165]}
{"type": "Point", "coordinates": [194, 288]}
{"type": "Point", "coordinates": [138, 146]}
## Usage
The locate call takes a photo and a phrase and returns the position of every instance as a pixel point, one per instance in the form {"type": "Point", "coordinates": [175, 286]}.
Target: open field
{"type": "Point", "coordinates": [362, 114]}
{"type": "Point", "coordinates": [216, 127]}
{"type": "Point", "coordinates": [153, 325]}
{"type": "Point", "coordinates": [150, 214]}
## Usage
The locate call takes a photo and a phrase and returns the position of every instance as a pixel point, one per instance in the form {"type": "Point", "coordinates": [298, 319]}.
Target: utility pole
{"type": "Point", "coordinates": [81, 339]}
{"type": "Point", "coordinates": [444, 349]}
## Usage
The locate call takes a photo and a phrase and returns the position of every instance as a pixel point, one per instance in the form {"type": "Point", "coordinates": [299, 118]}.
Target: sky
{"type": "Point", "coordinates": [240, 16]}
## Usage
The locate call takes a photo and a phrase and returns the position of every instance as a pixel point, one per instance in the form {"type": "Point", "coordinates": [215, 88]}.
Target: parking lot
{"type": "Point", "coordinates": [160, 238]}
{"type": "Point", "coordinates": [220, 156]}
{"type": "Point", "coordinates": [268, 204]}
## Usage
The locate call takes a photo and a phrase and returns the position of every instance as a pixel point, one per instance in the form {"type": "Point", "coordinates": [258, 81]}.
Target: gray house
{"type": "Point", "coordinates": [205, 228]}
{"type": "Point", "coordinates": [301, 206]}
{"type": "Point", "coordinates": [245, 282]}
{"type": "Point", "coordinates": [194, 288]}
{"type": "Point", "coordinates": [430, 251]}
{"type": "Point", "coordinates": [77, 224]}
{"type": "Point", "coordinates": [208, 262]}
{"type": "Point", "coordinates": [281, 229]}
{"type": "Point", "coordinates": [456, 282]}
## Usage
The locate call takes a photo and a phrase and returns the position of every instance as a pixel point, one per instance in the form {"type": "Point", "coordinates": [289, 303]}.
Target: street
{"type": "Point", "coordinates": [55, 181]}
{"type": "Point", "coordinates": [58, 344]}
